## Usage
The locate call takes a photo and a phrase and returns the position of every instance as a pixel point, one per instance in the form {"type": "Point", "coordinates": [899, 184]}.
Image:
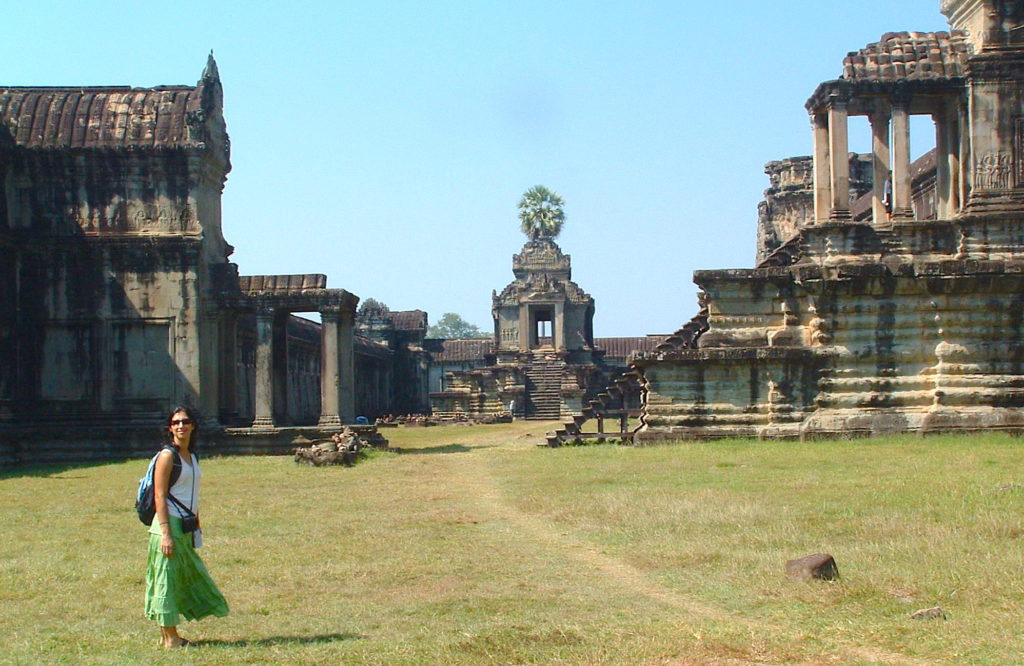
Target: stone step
{"type": "Point", "coordinates": [609, 404]}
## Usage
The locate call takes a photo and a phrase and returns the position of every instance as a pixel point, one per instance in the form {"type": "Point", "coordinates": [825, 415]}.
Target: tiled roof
{"type": "Point", "coordinates": [281, 283]}
{"type": "Point", "coordinates": [409, 320]}
{"type": "Point", "coordinates": [621, 347]}
{"type": "Point", "coordinates": [458, 350]}
{"type": "Point", "coordinates": [303, 329]}
{"type": "Point", "coordinates": [118, 117]}
{"type": "Point", "coordinates": [310, 332]}
{"type": "Point", "coordinates": [368, 347]}
{"type": "Point", "coordinates": [923, 165]}
{"type": "Point", "coordinates": [909, 55]}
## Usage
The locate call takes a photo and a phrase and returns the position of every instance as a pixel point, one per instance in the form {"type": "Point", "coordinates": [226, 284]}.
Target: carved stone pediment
{"type": "Point", "coordinates": [541, 256]}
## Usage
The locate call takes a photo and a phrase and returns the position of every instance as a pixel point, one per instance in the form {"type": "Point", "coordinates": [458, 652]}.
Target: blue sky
{"type": "Point", "coordinates": [387, 144]}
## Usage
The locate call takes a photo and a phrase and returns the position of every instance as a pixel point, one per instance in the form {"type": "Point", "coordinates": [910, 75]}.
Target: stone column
{"type": "Point", "coordinates": [330, 369]}
{"type": "Point", "coordinates": [902, 200]}
{"type": "Point", "coordinates": [337, 368]}
{"type": "Point", "coordinates": [525, 329]}
{"type": "Point", "coordinates": [822, 173]}
{"type": "Point", "coordinates": [963, 154]}
{"type": "Point", "coordinates": [879, 165]}
{"type": "Point", "coordinates": [282, 381]}
{"type": "Point", "coordinates": [347, 366]}
{"type": "Point", "coordinates": [389, 386]}
{"type": "Point", "coordinates": [839, 161]}
{"type": "Point", "coordinates": [264, 390]}
{"type": "Point", "coordinates": [942, 151]}
{"type": "Point", "coordinates": [558, 327]}
{"type": "Point", "coordinates": [951, 115]}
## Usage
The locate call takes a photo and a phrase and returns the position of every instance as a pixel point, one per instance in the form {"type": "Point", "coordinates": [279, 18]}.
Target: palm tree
{"type": "Point", "coordinates": [540, 213]}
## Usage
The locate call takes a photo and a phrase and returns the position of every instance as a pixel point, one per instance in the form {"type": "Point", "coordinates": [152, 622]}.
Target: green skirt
{"type": "Point", "coordinates": [179, 585]}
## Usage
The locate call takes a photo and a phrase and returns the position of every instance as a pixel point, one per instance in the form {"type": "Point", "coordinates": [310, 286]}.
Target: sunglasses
{"type": "Point", "coordinates": [175, 422]}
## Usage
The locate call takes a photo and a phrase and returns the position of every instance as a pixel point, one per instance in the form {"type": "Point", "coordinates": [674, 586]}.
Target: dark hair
{"type": "Point", "coordinates": [190, 412]}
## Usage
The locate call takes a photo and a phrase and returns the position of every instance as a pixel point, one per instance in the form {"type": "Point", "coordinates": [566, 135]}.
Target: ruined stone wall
{"type": "Point", "coordinates": [439, 370]}
{"type": "Point", "coordinates": [905, 340]}
{"type": "Point", "coordinates": [788, 204]}
{"type": "Point", "coordinates": [475, 392]}
{"type": "Point", "coordinates": [107, 299]}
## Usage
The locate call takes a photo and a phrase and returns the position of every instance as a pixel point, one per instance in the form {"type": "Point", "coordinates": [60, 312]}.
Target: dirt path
{"type": "Point", "coordinates": [477, 477]}
{"type": "Point", "coordinates": [473, 472]}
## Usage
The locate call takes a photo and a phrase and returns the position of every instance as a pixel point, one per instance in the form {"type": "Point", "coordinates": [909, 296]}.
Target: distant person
{"type": "Point", "coordinates": [887, 193]}
{"type": "Point", "coordinates": [177, 583]}
{"type": "Point", "coordinates": [512, 409]}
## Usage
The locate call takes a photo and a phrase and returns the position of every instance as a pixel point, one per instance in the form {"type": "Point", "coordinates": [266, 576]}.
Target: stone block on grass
{"type": "Point", "coordinates": [819, 566]}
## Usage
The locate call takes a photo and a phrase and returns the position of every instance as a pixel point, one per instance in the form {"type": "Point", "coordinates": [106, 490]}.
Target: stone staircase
{"type": "Point", "coordinates": [543, 387]}
{"type": "Point", "coordinates": [686, 337]}
{"type": "Point", "coordinates": [613, 403]}
{"type": "Point", "coordinates": [610, 404]}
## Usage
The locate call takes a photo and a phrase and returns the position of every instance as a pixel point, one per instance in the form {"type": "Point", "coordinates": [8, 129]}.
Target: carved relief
{"type": "Point", "coordinates": [992, 171]}
{"type": "Point", "coordinates": [1006, 17]}
{"type": "Point", "coordinates": [540, 255]}
{"type": "Point", "coordinates": [1018, 151]}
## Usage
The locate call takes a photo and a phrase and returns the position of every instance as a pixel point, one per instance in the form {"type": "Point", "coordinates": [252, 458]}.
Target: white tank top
{"type": "Point", "coordinates": [186, 488]}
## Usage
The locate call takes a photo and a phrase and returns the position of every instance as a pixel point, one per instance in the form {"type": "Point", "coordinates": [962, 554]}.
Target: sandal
{"type": "Point", "coordinates": [184, 643]}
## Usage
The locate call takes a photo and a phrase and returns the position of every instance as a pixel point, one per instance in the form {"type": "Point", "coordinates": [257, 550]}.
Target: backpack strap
{"type": "Point", "coordinates": [179, 504]}
{"type": "Point", "coordinates": [176, 468]}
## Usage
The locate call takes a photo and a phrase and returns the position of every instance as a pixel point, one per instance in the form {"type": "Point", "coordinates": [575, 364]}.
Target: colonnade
{"type": "Point", "coordinates": [890, 146]}
{"type": "Point", "coordinates": [337, 367]}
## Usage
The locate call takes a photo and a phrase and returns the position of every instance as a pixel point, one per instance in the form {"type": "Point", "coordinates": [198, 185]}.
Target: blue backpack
{"type": "Point", "coordinates": [145, 501]}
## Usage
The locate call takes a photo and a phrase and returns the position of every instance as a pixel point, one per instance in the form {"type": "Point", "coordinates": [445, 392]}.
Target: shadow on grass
{"type": "Point", "coordinates": [445, 448]}
{"type": "Point", "coordinates": [275, 641]}
{"type": "Point", "coordinates": [52, 470]}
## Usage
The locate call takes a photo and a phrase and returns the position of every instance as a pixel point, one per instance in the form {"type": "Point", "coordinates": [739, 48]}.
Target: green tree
{"type": "Point", "coordinates": [451, 326]}
{"type": "Point", "coordinates": [371, 307]}
{"type": "Point", "coordinates": [540, 213]}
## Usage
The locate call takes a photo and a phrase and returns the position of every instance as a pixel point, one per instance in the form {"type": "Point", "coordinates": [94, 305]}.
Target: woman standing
{"type": "Point", "coordinates": [177, 583]}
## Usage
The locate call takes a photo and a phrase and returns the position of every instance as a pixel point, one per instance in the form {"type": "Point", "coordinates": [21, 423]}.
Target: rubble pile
{"type": "Point", "coordinates": [343, 448]}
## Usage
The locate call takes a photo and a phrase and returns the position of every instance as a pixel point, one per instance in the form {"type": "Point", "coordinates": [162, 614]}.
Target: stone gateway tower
{"type": "Point", "coordinates": [544, 326]}
{"type": "Point", "coordinates": [545, 363]}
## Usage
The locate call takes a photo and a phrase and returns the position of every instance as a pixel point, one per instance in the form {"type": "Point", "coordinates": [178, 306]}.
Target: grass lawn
{"type": "Point", "coordinates": [470, 545]}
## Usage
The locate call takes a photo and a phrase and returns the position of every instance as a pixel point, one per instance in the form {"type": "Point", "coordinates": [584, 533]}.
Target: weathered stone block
{"type": "Point", "coordinates": [820, 566]}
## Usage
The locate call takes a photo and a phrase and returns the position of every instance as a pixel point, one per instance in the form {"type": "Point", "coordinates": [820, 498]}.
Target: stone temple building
{"type": "Point", "coordinates": [880, 304]}
{"type": "Point", "coordinates": [118, 299]}
{"type": "Point", "coordinates": [542, 360]}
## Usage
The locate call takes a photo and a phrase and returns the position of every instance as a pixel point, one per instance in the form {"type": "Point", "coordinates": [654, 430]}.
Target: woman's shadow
{"type": "Point", "coordinates": [281, 640]}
